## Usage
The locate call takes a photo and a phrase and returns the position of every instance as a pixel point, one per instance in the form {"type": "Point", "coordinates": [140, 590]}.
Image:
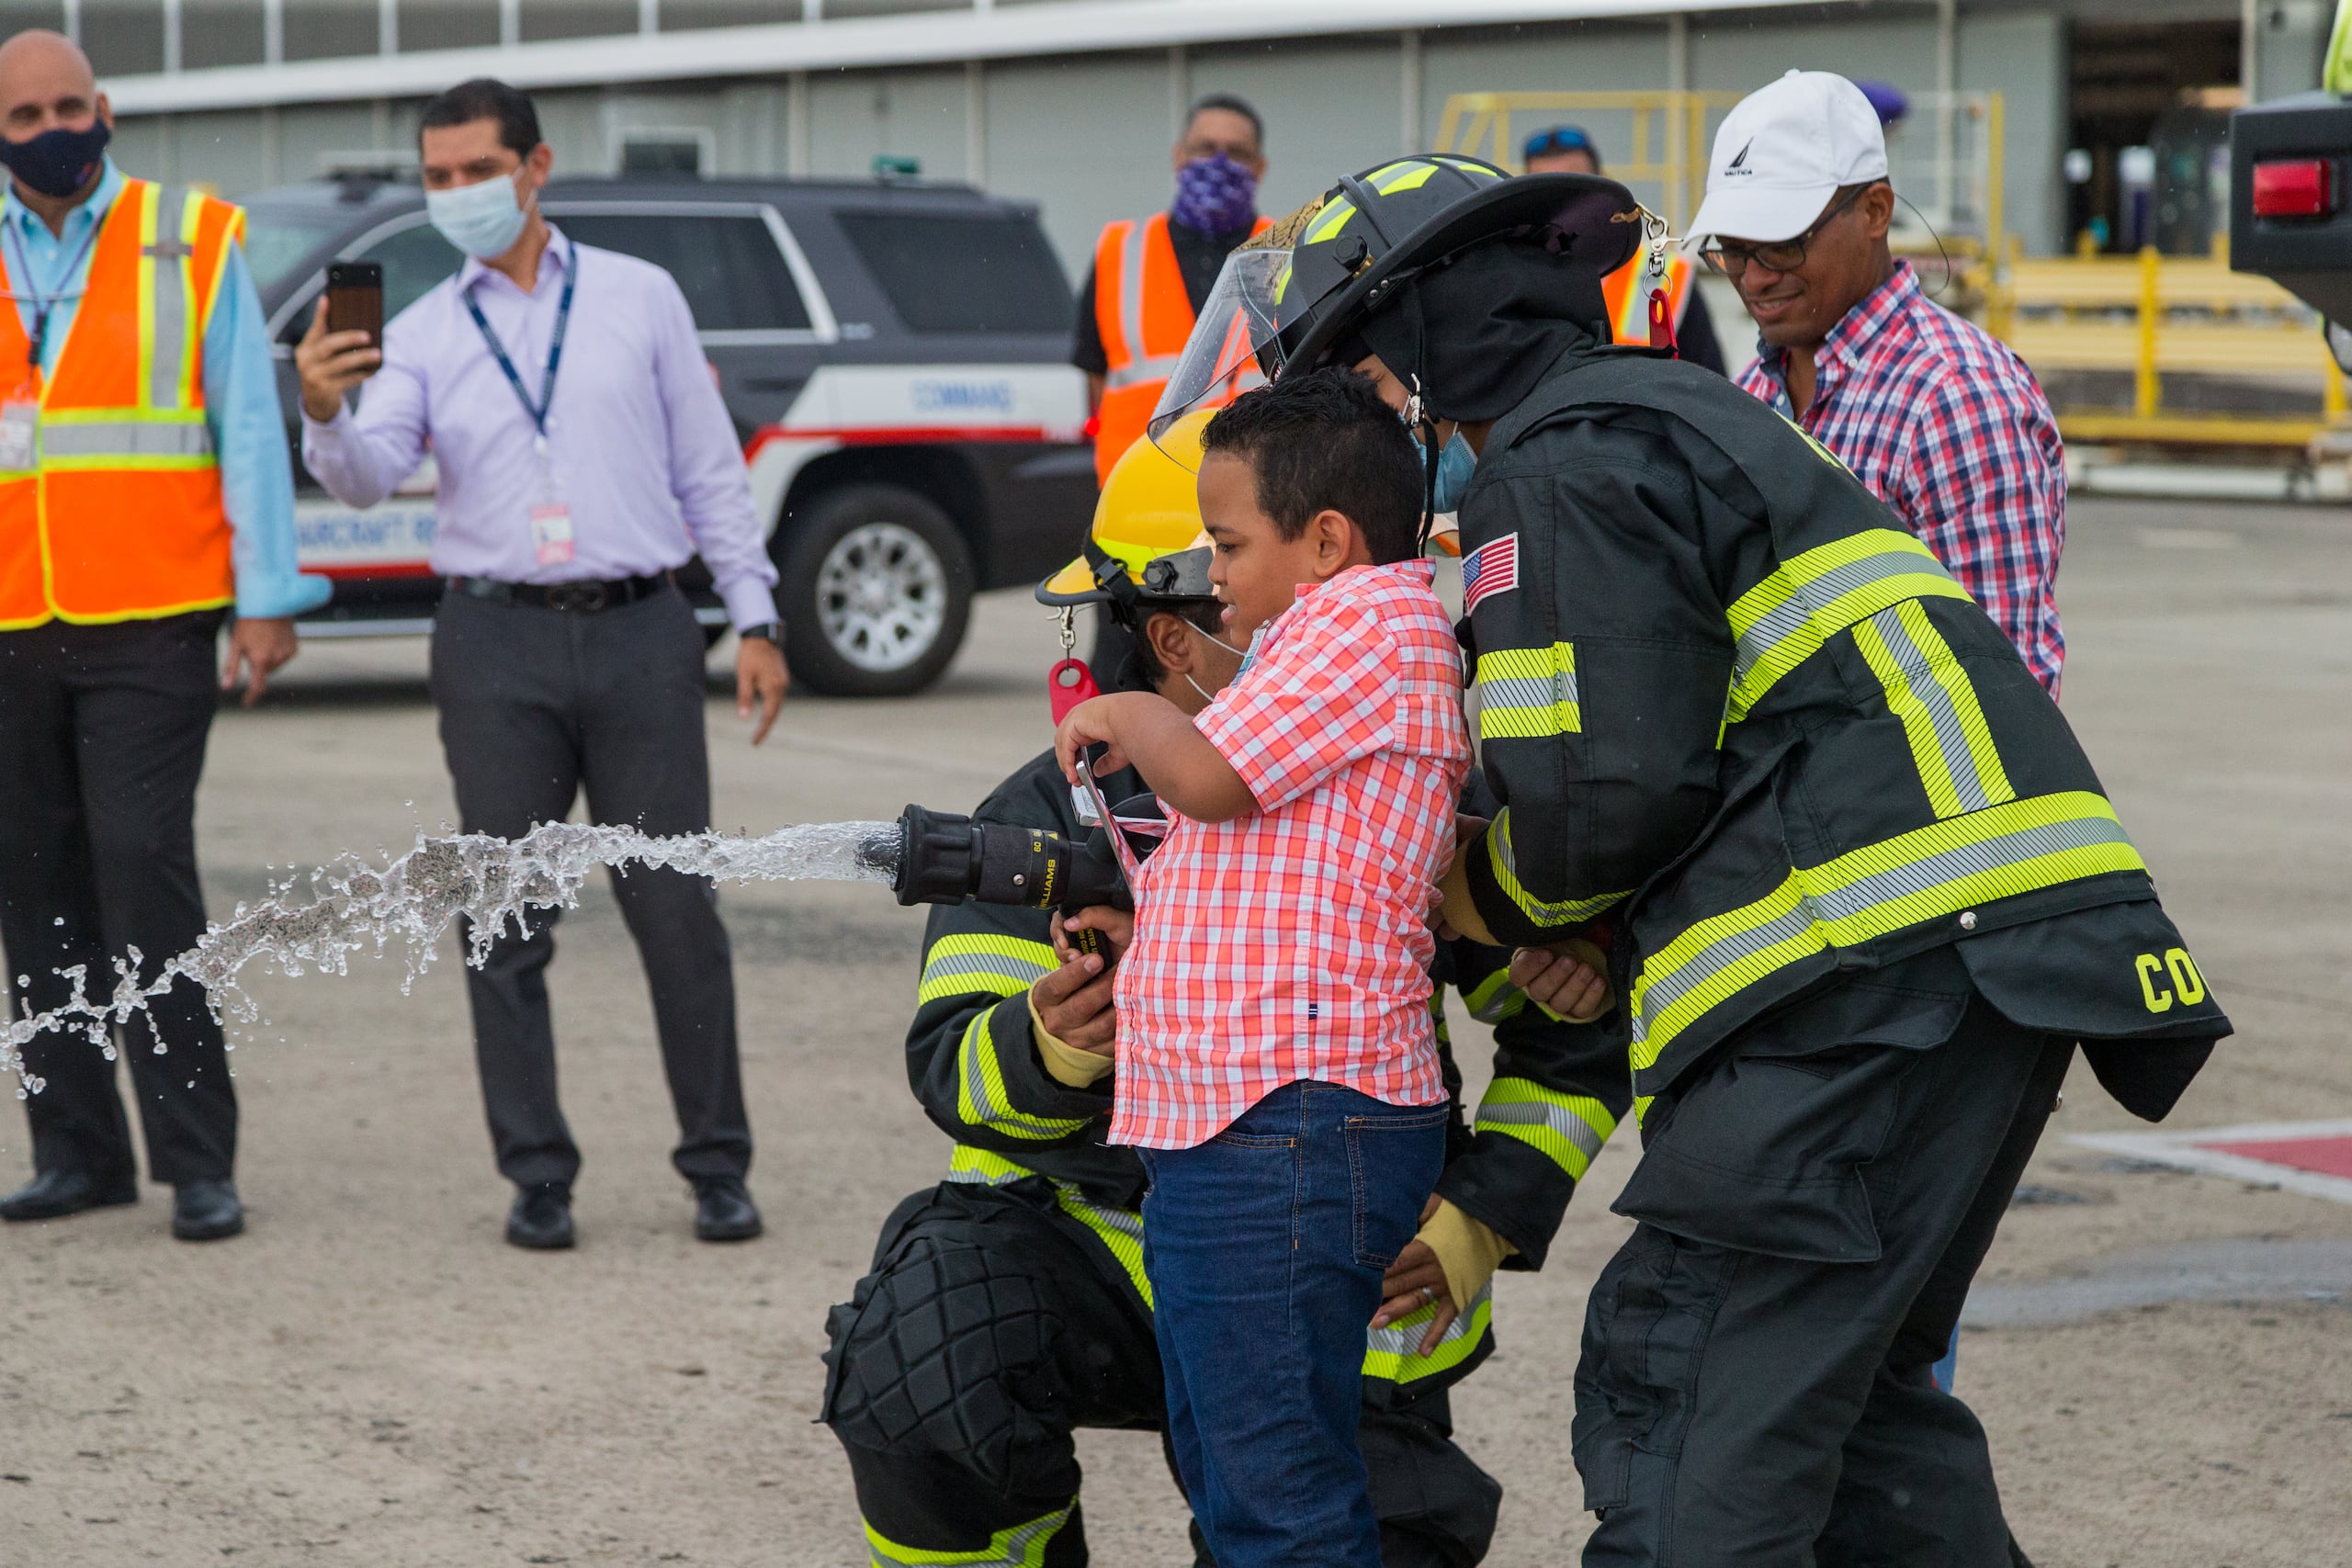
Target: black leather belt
{"type": "Point", "coordinates": [585, 598]}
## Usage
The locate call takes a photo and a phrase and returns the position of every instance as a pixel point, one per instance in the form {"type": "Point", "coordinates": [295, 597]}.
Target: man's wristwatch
{"type": "Point", "coordinates": [770, 631]}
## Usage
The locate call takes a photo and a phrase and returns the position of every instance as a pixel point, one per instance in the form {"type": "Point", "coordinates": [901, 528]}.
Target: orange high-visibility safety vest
{"type": "Point", "coordinates": [1629, 299]}
{"type": "Point", "coordinates": [1143, 316]}
{"type": "Point", "coordinates": [120, 519]}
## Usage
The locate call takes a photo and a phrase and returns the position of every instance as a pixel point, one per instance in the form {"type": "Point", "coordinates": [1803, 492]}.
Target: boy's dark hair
{"type": "Point", "coordinates": [1204, 614]}
{"type": "Point", "coordinates": [1230, 104]}
{"type": "Point", "coordinates": [485, 97]}
{"type": "Point", "coordinates": [1323, 440]}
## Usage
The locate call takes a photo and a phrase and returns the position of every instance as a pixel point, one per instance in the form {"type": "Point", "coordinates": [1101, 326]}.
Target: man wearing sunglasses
{"type": "Point", "coordinates": [1938, 417]}
{"type": "Point", "coordinates": [1570, 150]}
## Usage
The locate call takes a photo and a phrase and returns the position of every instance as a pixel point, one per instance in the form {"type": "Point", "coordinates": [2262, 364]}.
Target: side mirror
{"type": "Point", "coordinates": [2339, 344]}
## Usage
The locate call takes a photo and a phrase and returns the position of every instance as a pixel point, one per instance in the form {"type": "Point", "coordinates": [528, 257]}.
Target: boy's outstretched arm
{"type": "Point", "coordinates": [1153, 736]}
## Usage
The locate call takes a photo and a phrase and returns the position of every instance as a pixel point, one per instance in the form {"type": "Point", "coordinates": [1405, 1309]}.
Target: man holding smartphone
{"type": "Point", "coordinates": [144, 494]}
{"type": "Point", "coordinates": [581, 464]}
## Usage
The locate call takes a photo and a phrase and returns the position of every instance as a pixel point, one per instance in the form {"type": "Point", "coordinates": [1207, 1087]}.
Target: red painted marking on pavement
{"type": "Point", "coordinates": [2327, 1156]}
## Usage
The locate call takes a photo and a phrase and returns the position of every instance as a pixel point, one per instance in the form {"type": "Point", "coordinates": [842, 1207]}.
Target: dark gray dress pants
{"type": "Point", "coordinates": [1754, 1391]}
{"type": "Point", "coordinates": [535, 704]}
{"type": "Point", "coordinates": [102, 733]}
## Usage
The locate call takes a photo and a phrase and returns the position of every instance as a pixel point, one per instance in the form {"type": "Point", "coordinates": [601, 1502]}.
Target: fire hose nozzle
{"type": "Point", "coordinates": [943, 858]}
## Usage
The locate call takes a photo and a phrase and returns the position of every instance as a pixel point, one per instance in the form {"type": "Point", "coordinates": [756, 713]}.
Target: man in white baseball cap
{"type": "Point", "coordinates": [1938, 418]}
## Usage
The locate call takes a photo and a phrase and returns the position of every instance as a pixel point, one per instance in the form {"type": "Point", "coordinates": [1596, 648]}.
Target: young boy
{"type": "Point", "coordinates": [1277, 1069]}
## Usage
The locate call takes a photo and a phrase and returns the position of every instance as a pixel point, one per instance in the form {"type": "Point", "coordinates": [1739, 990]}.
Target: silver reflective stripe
{"type": "Point", "coordinates": [1404, 1340]}
{"type": "Point", "coordinates": [1969, 790]}
{"type": "Point", "coordinates": [1131, 289]}
{"type": "Point", "coordinates": [1814, 596]}
{"type": "Point", "coordinates": [1862, 895]}
{"type": "Point", "coordinates": [125, 438]}
{"type": "Point", "coordinates": [1728, 952]}
{"type": "Point", "coordinates": [1154, 368]}
{"type": "Point", "coordinates": [1002, 964]}
{"type": "Point", "coordinates": [1529, 691]}
{"type": "Point", "coordinates": [171, 301]}
{"type": "Point", "coordinates": [1541, 1113]}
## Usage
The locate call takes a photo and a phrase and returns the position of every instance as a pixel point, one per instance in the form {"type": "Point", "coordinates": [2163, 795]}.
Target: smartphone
{"type": "Point", "coordinates": [356, 298]}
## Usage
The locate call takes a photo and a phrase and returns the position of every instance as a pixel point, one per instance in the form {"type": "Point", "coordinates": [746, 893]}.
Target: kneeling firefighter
{"type": "Point", "coordinates": [1007, 1306]}
{"type": "Point", "coordinates": [1866, 891]}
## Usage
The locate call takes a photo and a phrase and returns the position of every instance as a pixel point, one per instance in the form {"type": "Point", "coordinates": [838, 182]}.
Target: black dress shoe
{"type": "Point", "coordinates": [724, 1211]}
{"type": "Point", "coordinates": [206, 1210]}
{"type": "Point", "coordinates": [53, 1194]}
{"type": "Point", "coordinates": [541, 1217]}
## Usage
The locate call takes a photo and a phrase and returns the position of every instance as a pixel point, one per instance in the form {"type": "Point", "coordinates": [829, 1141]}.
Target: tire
{"type": "Point", "coordinates": [876, 587]}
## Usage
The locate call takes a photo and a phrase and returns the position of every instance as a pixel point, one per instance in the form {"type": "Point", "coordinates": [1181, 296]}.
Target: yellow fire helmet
{"type": "Point", "coordinates": [1146, 542]}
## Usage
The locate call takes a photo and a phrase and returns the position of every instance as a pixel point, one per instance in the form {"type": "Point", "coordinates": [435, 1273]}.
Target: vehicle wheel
{"type": "Point", "coordinates": [875, 588]}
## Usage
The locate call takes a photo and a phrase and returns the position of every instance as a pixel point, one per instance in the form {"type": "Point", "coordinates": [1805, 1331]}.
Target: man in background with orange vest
{"type": "Point", "coordinates": [1150, 275]}
{"type": "Point", "coordinates": [1567, 150]}
{"type": "Point", "coordinates": [146, 492]}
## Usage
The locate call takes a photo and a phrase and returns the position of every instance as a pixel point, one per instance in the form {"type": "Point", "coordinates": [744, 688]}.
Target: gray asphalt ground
{"type": "Point", "coordinates": [370, 1376]}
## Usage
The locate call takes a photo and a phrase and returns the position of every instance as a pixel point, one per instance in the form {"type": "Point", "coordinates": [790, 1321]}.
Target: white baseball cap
{"type": "Point", "coordinates": [1783, 152]}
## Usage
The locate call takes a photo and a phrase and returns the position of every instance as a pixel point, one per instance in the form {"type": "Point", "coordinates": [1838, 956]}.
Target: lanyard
{"type": "Point", "coordinates": [43, 304]}
{"type": "Point", "coordinates": [538, 411]}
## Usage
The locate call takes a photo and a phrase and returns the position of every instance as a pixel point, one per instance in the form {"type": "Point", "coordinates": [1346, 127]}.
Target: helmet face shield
{"type": "Point", "coordinates": [1234, 345]}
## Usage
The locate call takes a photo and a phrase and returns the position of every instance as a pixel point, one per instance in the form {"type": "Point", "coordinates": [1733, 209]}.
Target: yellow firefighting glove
{"type": "Point", "coordinates": [1066, 1063]}
{"type": "Point", "coordinates": [1467, 1249]}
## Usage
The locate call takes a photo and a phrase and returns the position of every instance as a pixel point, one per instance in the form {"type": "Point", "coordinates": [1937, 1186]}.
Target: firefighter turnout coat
{"type": "Point", "coordinates": [1557, 1093]}
{"type": "Point", "coordinates": [1728, 701]}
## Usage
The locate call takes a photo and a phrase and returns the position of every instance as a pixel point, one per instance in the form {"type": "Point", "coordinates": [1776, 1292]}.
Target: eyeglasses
{"type": "Point", "coordinates": [1781, 255]}
{"type": "Point", "coordinates": [1560, 139]}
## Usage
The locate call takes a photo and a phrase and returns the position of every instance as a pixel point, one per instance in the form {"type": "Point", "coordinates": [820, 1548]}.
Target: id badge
{"type": "Point", "coordinates": [551, 532]}
{"type": "Point", "coordinates": [19, 436]}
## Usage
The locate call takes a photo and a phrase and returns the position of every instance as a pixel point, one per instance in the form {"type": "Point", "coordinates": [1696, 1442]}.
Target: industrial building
{"type": "Point", "coordinates": [1072, 103]}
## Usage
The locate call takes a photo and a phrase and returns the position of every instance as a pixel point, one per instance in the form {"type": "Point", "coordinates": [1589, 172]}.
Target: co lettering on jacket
{"type": "Point", "coordinates": [2187, 988]}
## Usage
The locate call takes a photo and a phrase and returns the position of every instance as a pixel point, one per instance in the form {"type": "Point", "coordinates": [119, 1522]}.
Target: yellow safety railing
{"type": "Point", "coordinates": [2157, 316]}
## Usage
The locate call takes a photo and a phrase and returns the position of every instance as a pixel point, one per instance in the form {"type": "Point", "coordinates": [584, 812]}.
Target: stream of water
{"type": "Point", "coordinates": [406, 905]}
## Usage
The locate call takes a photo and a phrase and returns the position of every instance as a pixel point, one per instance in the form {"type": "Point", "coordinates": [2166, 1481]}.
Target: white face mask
{"type": "Point", "coordinates": [483, 219]}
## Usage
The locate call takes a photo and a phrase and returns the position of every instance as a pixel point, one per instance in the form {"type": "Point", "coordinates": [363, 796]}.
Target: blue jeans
{"type": "Point", "coordinates": [1265, 1246]}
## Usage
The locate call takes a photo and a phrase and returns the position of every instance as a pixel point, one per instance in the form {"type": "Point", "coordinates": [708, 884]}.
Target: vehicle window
{"type": "Point", "coordinates": [415, 260]}
{"type": "Point", "coordinates": [733, 276]}
{"type": "Point", "coordinates": [953, 274]}
{"type": "Point", "coordinates": [276, 243]}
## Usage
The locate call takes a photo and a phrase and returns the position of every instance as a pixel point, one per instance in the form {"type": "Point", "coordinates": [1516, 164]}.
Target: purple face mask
{"type": "Point", "coordinates": [1215, 195]}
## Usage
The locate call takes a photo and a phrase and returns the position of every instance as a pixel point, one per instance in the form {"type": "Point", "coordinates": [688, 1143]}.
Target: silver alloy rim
{"type": "Point", "coordinates": [882, 596]}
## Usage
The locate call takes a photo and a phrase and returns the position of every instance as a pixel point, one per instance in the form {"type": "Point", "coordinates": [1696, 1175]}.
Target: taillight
{"type": "Point", "coordinates": [2294, 187]}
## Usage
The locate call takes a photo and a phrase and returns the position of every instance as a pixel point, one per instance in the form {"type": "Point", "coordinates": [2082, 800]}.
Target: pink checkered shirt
{"type": "Point", "coordinates": [1949, 429]}
{"type": "Point", "coordinates": [1293, 942]}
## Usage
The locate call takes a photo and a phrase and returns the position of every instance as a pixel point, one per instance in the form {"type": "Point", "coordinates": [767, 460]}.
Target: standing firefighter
{"type": "Point", "coordinates": [1009, 1305]}
{"type": "Point", "coordinates": [1867, 893]}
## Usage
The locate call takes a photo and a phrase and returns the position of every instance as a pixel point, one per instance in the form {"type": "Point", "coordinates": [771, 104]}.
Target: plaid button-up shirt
{"type": "Point", "coordinates": [1951, 430]}
{"type": "Point", "coordinates": [1293, 942]}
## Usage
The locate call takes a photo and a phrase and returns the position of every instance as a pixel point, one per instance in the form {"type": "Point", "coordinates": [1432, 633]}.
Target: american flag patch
{"type": "Point", "coordinates": [1491, 568]}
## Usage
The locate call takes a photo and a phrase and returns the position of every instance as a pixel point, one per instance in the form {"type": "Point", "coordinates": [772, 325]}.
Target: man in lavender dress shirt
{"type": "Point", "coordinates": [583, 454]}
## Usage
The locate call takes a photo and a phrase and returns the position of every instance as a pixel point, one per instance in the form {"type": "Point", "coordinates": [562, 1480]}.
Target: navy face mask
{"type": "Point", "coordinates": [58, 162]}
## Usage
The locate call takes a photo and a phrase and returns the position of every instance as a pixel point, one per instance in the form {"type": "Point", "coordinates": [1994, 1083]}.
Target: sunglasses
{"type": "Point", "coordinates": [1564, 139]}
{"type": "Point", "coordinates": [1781, 255]}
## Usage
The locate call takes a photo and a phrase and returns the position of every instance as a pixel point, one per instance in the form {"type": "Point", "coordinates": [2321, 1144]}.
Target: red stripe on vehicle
{"type": "Point", "coordinates": [904, 435]}
{"type": "Point", "coordinates": [359, 573]}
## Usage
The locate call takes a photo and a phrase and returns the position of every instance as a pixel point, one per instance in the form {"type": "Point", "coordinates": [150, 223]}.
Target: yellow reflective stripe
{"type": "Point", "coordinates": [1931, 873]}
{"type": "Point", "coordinates": [149, 612]}
{"type": "Point", "coordinates": [1329, 221]}
{"type": "Point", "coordinates": [1504, 863]}
{"type": "Point", "coordinates": [193, 316]}
{"type": "Point", "coordinates": [1409, 175]}
{"type": "Point", "coordinates": [1570, 1128]}
{"type": "Point", "coordinates": [983, 1168]}
{"type": "Point", "coordinates": [1023, 1546]}
{"type": "Point", "coordinates": [151, 199]}
{"type": "Point", "coordinates": [1495, 999]}
{"type": "Point", "coordinates": [2019, 847]}
{"type": "Point", "coordinates": [981, 1100]}
{"type": "Point", "coordinates": [967, 962]}
{"type": "Point", "coordinates": [1929, 691]}
{"type": "Point", "coordinates": [1788, 617]}
{"type": "Point", "coordinates": [1394, 1352]}
{"type": "Point", "coordinates": [1528, 693]}
{"type": "Point", "coordinates": [1120, 1230]}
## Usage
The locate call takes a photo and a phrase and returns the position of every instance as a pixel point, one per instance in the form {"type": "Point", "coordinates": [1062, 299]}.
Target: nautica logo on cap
{"type": "Point", "coordinates": [1738, 166]}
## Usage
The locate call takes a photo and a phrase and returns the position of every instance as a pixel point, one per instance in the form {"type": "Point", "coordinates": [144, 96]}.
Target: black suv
{"type": "Point", "coordinates": [894, 355]}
